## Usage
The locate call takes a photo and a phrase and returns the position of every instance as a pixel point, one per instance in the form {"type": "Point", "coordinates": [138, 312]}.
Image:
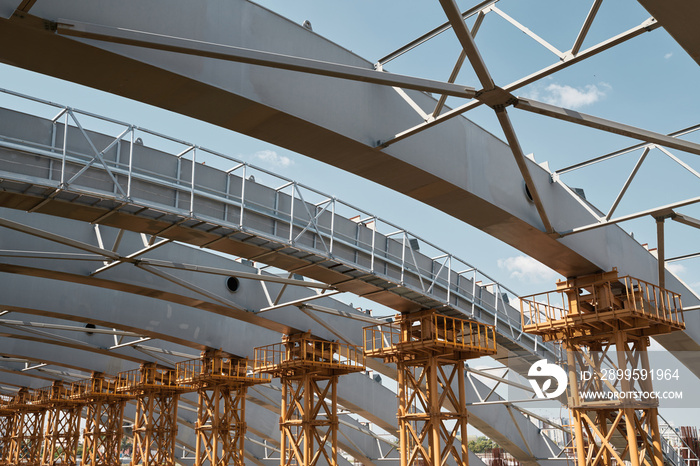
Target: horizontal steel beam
{"type": "Point", "coordinates": [686, 220]}
{"type": "Point", "coordinates": [233, 273]}
{"type": "Point", "coordinates": [255, 57]}
{"type": "Point", "coordinates": [602, 124]}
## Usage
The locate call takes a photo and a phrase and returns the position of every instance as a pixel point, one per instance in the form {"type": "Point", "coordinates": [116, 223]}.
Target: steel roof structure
{"type": "Point", "coordinates": [109, 224]}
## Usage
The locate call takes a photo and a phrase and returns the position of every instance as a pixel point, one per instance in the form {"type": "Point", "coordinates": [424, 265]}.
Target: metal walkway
{"type": "Point", "coordinates": [63, 169]}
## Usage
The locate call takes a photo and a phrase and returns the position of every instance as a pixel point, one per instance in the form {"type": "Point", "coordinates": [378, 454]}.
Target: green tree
{"type": "Point", "coordinates": [482, 445]}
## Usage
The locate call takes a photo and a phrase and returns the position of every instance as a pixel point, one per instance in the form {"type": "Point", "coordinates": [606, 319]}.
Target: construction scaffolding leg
{"type": "Point", "coordinates": [221, 426]}
{"type": "Point", "coordinates": [103, 432]}
{"type": "Point", "coordinates": [432, 423]}
{"type": "Point", "coordinates": [309, 420]}
{"type": "Point", "coordinates": [27, 433]}
{"type": "Point", "coordinates": [620, 430]}
{"type": "Point", "coordinates": [155, 429]}
{"type": "Point", "coordinates": [61, 436]}
{"type": "Point", "coordinates": [5, 437]}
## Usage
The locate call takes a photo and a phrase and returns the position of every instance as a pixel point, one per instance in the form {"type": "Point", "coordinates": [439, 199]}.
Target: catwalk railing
{"type": "Point", "coordinates": [173, 176]}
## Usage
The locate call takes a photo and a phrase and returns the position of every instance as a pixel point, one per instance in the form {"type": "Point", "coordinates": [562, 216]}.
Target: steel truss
{"type": "Point", "coordinates": [103, 421]}
{"type": "Point", "coordinates": [62, 426]}
{"type": "Point", "coordinates": [599, 312]}
{"type": "Point", "coordinates": [27, 430]}
{"type": "Point", "coordinates": [429, 350]}
{"type": "Point", "coordinates": [6, 420]}
{"type": "Point", "coordinates": [155, 422]}
{"type": "Point", "coordinates": [309, 371]}
{"type": "Point", "coordinates": [221, 384]}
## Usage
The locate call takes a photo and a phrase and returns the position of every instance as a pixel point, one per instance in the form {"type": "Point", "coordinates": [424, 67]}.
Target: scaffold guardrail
{"type": "Point", "coordinates": [95, 387]}
{"type": "Point", "coordinates": [567, 303]}
{"type": "Point", "coordinates": [218, 370]}
{"type": "Point", "coordinates": [429, 329]}
{"type": "Point", "coordinates": [149, 377]}
{"type": "Point", "coordinates": [306, 352]}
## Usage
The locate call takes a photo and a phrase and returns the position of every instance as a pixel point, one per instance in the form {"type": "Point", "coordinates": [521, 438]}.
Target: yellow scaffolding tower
{"type": "Point", "coordinates": [62, 425]}
{"type": "Point", "coordinates": [6, 418]}
{"type": "Point", "coordinates": [221, 383]}
{"type": "Point", "coordinates": [308, 370]}
{"type": "Point", "coordinates": [155, 424]}
{"type": "Point", "coordinates": [104, 419]}
{"type": "Point", "coordinates": [429, 350]}
{"type": "Point", "coordinates": [590, 315]}
{"type": "Point", "coordinates": [27, 429]}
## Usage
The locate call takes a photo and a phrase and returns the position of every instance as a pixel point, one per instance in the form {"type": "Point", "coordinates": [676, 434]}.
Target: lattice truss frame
{"type": "Point", "coordinates": [155, 428]}
{"type": "Point", "coordinates": [636, 420]}
{"type": "Point", "coordinates": [423, 417]}
{"type": "Point", "coordinates": [613, 420]}
{"type": "Point", "coordinates": [422, 345]}
{"type": "Point", "coordinates": [27, 437]}
{"type": "Point", "coordinates": [6, 420]}
{"type": "Point", "coordinates": [62, 434]}
{"type": "Point", "coordinates": [221, 425]}
{"type": "Point", "coordinates": [103, 431]}
{"type": "Point", "coordinates": [309, 419]}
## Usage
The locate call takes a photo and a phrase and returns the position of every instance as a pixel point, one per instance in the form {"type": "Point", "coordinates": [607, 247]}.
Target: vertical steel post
{"type": "Point", "coordinates": [660, 250]}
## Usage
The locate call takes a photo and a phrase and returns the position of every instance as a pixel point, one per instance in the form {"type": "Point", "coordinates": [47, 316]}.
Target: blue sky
{"type": "Point", "coordinates": [643, 82]}
{"type": "Point", "coordinates": [647, 82]}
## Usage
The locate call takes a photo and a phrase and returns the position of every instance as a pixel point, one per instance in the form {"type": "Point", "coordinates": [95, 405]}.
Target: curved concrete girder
{"type": "Point", "coordinates": [366, 392]}
{"type": "Point", "coordinates": [356, 388]}
{"type": "Point", "coordinates": [261, 421]}
{"type": "Point", "coordinates": [252, 294]}
{"type": "Point", "coordinates": [679, 19]}
{"type": "Point", "coordinates": [163, 320]}
{"type": "Point", "coordinates": [265, 420]}
{"type": "Point", "coordinates": [474, 178]}
{"type": "Point", "coordinates": [56, 354]}
{"type": "Point", "coordinates": [12, 374]}
{"type": "Point", "coordinates": [132, 362]}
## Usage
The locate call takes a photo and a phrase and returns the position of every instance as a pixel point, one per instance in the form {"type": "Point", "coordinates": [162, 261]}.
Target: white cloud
{"type": "Point", "coordinates": [668, 55]}
{"type": "Point", "coordinates": [571, 97]}
{"type": "Point", "coordinates": [271, 157]}
{"type": "Point", "coordinates": [527, 269]}
{"type": "Point", "coordinates": [675, 269]}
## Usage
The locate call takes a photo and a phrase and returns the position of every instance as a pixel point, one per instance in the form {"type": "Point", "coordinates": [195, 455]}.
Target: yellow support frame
{"type": "Point", "coordinates": [429, 350]}
{"type": "Point", "coordinates": [6, 417]}
{"type": "Point", "coordinates": [221, 383]}
{"type": "Point", "coordinates": [27, 430]}
{"type": "Point", "coordinates": [103, 433]}
{"type": "Point", "coordinates": [308, 370]}
{"type": "Point", "coordinates": [104, 418]}
{"type": "Point", "coordinates": [62, 426]}
{"type": "Point", "coordinates": [591, 315]}
{"type": "Point", "coordinates": [155, 423]}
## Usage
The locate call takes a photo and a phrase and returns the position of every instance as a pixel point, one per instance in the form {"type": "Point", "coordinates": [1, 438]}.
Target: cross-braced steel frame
{"type": "Point", "coordinates": [222, 383]}
{"type": "Point", "coordinates": [619, 423]}
{"type": "Point", "coordinates": [103, 431]}
{"type": "Point", "coordinates": [6, 419]}
{"type": "Point", "coordinates": [62, 426]}
{"type": "Point", "coordinates": [104, 418]}
{"type": "Point", "coordinates": [429, 350]}
{"type": "Point", "coordinates": [27, 430]}
{"type": "Point", "coordinates": [308, 370]}
{"type": "Point", "coordinates": [155, 422]}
